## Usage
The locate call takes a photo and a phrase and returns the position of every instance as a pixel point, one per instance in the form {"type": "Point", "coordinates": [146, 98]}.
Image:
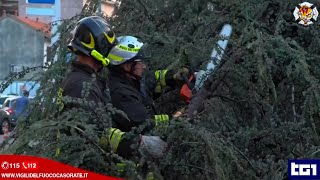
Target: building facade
{"type": "Point", "coordinates": [9, 7]}
{"type": "Point", "coordinates": [25, 35]}
{"type": "Point", "coordinates": [107, 7]}
{"type": "Point", "coordinates": [68, 9]}
{"type": "Point", "coordinates": [23, 43]}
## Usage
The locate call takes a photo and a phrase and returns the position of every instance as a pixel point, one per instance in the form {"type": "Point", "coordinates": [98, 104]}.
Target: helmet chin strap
{"type": "Point", "coordinates": [87, 53]}
{"type": "Point", "coordinates": [98, 65]}
{"type": "Point", "coordinates": [99, 69]}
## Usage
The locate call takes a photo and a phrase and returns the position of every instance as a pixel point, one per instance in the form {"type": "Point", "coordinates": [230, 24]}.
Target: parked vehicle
{"type": "Point", "coordinates": [2, 99]}
{"type": "Point", "coordinates": [7, 114]}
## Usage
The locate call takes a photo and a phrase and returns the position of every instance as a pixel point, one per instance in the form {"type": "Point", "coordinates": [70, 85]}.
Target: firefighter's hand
{"type": "Point", "coordinates": [181, 73]}
{"type": "Point", "coordinates": [152, 146]}
{"type": "Point", "coordinates": [180, 112]}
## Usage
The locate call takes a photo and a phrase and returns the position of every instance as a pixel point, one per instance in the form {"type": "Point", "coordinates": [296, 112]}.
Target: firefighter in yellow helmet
{"type": "Point", "coordinates": [92, 40]}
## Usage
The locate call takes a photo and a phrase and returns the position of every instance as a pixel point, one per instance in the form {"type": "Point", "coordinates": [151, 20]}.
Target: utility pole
{"type": "Point", "coordinates": [99, 8]}
{"type": "Point", "coordinates": [56, 19]}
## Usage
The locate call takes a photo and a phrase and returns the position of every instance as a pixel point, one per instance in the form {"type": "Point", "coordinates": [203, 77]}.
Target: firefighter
{"type": "Point", "coordinates": [127, 83]}
{"type": "Point", "coordinates": [92, 40]}
{"type": "Point", "coordinates": [130, 90]}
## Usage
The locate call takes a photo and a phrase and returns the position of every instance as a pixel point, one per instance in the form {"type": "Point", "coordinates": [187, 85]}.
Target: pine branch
{"type": "Point", "coordinates": [192, 166]}
{"type": "Point", "coordinates": [293, 104]}
{"type": "Point", "coordinates": [145, 11]}
{"type": "Point", "coordinates": [240, 153]}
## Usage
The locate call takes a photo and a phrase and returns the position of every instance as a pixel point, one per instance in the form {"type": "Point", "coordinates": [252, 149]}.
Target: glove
{"type": "Point", "coordinates": [182, 72]}
{"type": "Point", "coordinates": [152, 146]}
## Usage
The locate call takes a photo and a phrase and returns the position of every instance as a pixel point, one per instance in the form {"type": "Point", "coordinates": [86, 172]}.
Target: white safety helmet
{"type": "Point", "coordinates": [128, 48]}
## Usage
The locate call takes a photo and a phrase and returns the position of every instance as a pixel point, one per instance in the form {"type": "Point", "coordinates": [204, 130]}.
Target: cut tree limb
{"type": "Point", "coordinates": [197, 102]}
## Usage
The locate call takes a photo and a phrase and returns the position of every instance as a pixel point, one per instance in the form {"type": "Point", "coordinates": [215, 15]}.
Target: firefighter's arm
{"type": "Point", "coordinates": [166, 78]}
{"type": "Point", "coordinates": [119, 142]}
{"type": "Point", "coordinates": [163, 78]}
{"type": "Point", "coordinates": [161, 120]}
{"type": "Point", "coordinates": [157, 121]}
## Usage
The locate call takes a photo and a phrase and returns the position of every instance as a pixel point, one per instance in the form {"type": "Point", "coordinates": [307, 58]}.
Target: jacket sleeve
{"type": "Point", "coordinates": [158, 81]}
{"type": "Point", "coordinates": [119, 142]}
{"type": "Point", "coordinates": [130, 104]}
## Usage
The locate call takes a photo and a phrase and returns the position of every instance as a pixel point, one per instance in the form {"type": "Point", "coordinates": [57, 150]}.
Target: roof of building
{"type": "Point", "coordinates": [35, 24]}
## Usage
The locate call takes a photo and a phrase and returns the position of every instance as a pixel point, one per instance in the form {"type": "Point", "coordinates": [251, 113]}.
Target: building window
{"type": "Point", "coordinates": [9, 7]}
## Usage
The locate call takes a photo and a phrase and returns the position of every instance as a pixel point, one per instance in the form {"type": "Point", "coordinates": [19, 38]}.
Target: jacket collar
{"type": "Point", "coordinates": [116, 75]}
{"type": "Point", "coordinates": [76, 66]}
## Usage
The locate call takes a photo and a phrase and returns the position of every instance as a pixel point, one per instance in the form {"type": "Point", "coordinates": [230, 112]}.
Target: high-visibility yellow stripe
{"type": "Point", "coordinates": [161, 119]}
{"type": "Point", "coordinates": [161, 76]}
{"type": "Point", "coordinates": [157, 74]}
{"type": "Point", "coordinates": [58, 150]}
{"type": "Point", "coordinates": [120, 167]}
{"type": "Point", "coordinates": [158, 85]}
{"type": "Point", "coordinates": [115, 58]}
{"type": "Point", "coordinates": [115, 139]}
{"type": "Point", "coordinates": [111, 132]}
{"type": "Point", "coordinates": [164, 117]}
{"type": "Point", "coordinates": [157, 119]}
{"type": "Point", "coordinates": [59, 99]}
{"type": "Point", "coordinates": [161, 80]}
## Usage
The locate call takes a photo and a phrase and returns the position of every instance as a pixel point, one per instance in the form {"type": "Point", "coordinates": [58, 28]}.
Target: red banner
{"type": "Point", "coordinates": [31, 167]}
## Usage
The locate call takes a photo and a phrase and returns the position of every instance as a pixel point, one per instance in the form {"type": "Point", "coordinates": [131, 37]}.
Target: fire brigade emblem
{"type": "Point", "coordinates": [305, 13]}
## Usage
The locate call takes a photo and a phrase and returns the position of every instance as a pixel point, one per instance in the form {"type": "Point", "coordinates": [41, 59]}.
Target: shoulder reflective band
{"type": "Point", "coordinates": [115, 136]}
{"type": "Point", "coordinates": [160, 79]}
{"type": "Point", "coordinates": [135, 50]}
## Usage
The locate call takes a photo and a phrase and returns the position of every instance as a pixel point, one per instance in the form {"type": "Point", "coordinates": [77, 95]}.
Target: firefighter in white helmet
{"type": "Point", "coordinates": [128, 93]}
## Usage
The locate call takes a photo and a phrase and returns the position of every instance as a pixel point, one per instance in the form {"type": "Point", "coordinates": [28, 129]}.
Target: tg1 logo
{"type": "Point", "coordinates": [306, 169]}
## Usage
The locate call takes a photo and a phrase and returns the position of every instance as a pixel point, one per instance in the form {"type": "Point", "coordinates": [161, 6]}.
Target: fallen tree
{"type": "Point", "coordinates": [259, 108]}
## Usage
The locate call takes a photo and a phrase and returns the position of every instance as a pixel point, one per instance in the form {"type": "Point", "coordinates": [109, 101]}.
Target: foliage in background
{"type": "Point", "coordinates": [259, 108]}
